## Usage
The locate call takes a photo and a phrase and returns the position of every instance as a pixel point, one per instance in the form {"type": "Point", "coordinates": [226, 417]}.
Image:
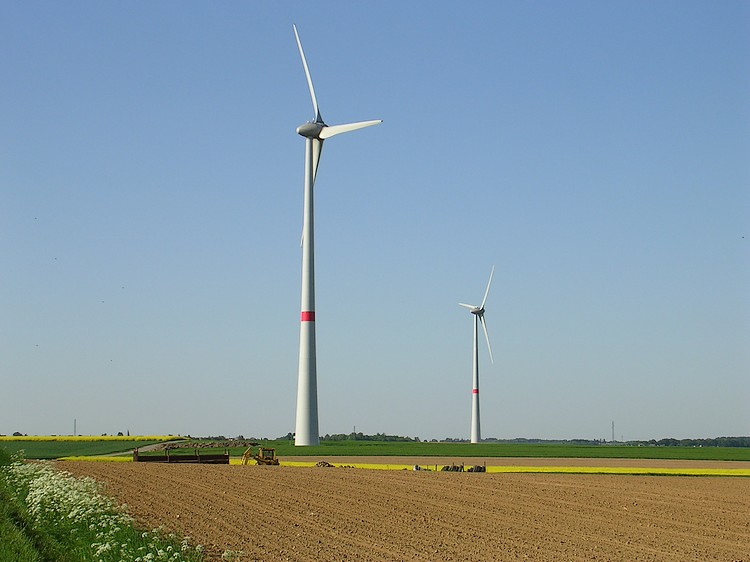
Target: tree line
{"type": "Point", "coordinates": [712, 442]}
{"type": "Point", "coordinates": [359, 436]}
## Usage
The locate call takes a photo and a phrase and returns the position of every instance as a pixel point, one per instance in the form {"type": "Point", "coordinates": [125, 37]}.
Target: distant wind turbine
{"type": "Point", "coordinates": [478, 312]}
{"type": "Point", "coordinates": [315, 132]}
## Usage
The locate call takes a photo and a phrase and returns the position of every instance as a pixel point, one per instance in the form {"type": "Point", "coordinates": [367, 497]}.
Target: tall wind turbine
{"type": "Point", "coordinates": [315, 132]}
{"type": "Point", "coordinates": [478, 312]}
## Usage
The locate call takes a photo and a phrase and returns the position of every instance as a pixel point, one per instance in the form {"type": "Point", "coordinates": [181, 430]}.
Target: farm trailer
{"type": "Point", "coordinates": [196, 457]}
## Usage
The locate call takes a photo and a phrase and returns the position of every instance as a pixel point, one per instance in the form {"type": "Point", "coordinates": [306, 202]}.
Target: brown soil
{"type": "Point", "coordinates": [313, 514]}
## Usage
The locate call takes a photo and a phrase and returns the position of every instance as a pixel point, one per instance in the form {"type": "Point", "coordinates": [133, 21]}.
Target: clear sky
{"type": "Point", "coordinates": [597, 153]}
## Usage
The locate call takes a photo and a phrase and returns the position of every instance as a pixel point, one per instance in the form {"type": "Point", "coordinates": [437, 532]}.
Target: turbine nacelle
{"type": "Point", "coordinates": [311, 130]}
{"type": "Point", "coordinates": [478, 311]}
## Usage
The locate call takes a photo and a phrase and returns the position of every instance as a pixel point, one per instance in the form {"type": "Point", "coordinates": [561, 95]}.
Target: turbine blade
{"type": "Point", "coordinates": [317, 149]}
{"type": "Point", "coordinates": [318, 119]}
{"type": "Point", "coordinates": [469, 306]}
{"type": "Point", "coordinates": [334, 130]}
{"type": "Point", "coordinates": [486, 292]}
{"type": "Point", "coordinates": [486, 337]}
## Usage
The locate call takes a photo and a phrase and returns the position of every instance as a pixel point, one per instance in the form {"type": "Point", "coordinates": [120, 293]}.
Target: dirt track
{"type": "Point", "coordinates": [314, 514]}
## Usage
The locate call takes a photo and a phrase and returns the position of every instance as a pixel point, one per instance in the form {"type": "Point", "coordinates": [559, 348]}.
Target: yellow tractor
{"type": "Point", "coordinates": [263, 456]}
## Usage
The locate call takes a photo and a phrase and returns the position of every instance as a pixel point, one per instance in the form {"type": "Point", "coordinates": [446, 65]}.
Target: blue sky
{"type": "Point", "coordinates": [151, 209]}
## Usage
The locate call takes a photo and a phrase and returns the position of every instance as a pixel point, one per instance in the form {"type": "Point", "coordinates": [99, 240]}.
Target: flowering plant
{"type": "Point", "coordinates": [73, 515]}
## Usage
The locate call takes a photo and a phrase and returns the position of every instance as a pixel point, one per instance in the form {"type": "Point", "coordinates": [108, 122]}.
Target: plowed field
{"type": "Point", "coordinates": [320, 514]}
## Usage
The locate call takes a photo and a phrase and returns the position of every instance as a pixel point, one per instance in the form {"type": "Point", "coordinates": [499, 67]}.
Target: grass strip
{"type": "Point", "coordinates": [18, 540]}
{"type": "Point", "coordinates": [14, 545]}
{"type": "Point", "coordinates": [67, 519]}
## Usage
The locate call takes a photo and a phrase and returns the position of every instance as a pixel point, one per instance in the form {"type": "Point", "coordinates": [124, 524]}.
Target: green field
{"type": "Point", "coordinates": [411, 449]}
{"type": "Point", "coordinates": [57, 449]}
{"type": "Point", "coordinates": [370, 448]}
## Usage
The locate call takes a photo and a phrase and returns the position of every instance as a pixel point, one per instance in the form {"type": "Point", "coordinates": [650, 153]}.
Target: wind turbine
{"type": "Point", "coordinates": [315, 132]}
{"type": "Point", "coordinates": [478, 312]}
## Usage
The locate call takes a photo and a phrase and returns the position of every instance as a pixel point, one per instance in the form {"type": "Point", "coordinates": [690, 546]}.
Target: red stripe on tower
{"type": "Point", "coordinates": [475, 391]}
{"type": "Point", "coordinates": [307, 316]}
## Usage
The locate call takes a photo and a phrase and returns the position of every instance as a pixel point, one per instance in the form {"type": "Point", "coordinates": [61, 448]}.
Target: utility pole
{"type": "Point", "coordinates": [613, 431]}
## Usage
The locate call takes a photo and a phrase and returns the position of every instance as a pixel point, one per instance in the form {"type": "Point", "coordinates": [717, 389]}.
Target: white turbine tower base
{"type": "Point", "coordinates": [315, 132]}
{"type": "Point", "coordinates": [478, 312]}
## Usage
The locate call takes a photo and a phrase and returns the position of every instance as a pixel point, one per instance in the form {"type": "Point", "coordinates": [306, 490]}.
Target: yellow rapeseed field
{"type": "Point", "coordinates": [623, 470]}
{"type": "Point", "coordinates": [561, 469]}
{"type": "Point", "coordinates": [653, 471]}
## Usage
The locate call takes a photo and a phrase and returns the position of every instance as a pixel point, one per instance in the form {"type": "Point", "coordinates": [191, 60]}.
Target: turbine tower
{"type": "Point", "coordinates": [315, 132]}
{"type": "Point", "coordinates": [478, 312]}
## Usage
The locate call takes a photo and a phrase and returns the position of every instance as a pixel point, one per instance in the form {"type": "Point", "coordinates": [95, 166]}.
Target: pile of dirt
{"type": "Point", "coordinates": [226, 444]}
